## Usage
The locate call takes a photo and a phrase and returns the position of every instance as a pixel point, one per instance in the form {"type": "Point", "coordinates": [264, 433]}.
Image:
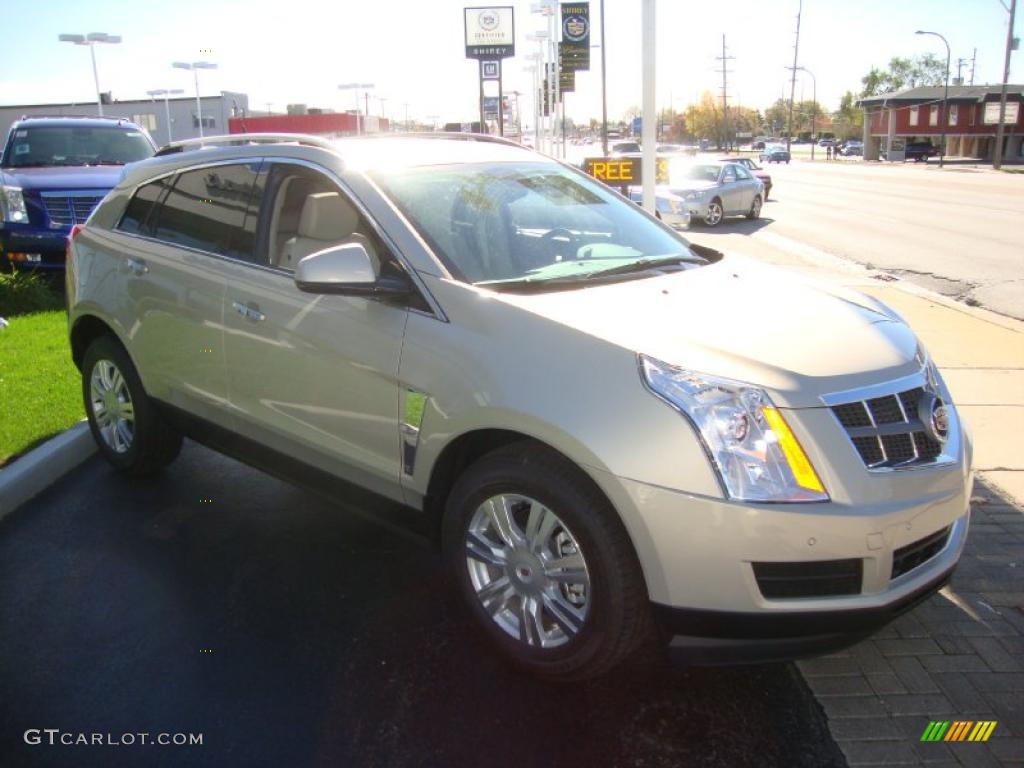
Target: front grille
{"type": "Point", "coordinates": [906, 559]}
{"type": "Point", "coordinates": [818, 578]}
{"type": "Point", "coordinates": [886, 431]}
{"type": "Point", "coordinates": [68, 208]}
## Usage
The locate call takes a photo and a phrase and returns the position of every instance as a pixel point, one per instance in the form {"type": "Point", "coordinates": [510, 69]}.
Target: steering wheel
{"type": "Point", "coordinates": [559, 236]}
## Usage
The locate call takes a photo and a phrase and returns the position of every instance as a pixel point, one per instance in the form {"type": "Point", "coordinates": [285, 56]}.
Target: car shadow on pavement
{"type": "Point", "coordinates": [733, 226]}
{"type": "Point", "coordinates": [219, 600]}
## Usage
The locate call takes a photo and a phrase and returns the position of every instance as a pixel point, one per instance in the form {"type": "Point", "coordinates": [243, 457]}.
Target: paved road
{"type": "Point", "coordinates": [956, 231]}
{"type": "Point", "coordinates": [289, 632]}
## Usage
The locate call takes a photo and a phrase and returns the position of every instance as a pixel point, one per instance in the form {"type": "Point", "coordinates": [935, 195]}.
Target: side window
{"type": "Point", "coordinates": [206, 209]}
{"type": "Point", "coordinates": [729, 175]}
{"type": "Point", "coordinates": [742, 172]}
{"type": "Point", "coordinates": [305, 212]}
{"type": "Point", "coordinates": [137, 215]}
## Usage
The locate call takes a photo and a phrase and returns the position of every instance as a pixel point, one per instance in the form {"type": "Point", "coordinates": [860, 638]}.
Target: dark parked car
{"type": "Point", "coordinates": [774, 153]}
{"type": "Point", "coordinates": [920, 151]}
{"type": "Point", "coordinates": [53, 172]}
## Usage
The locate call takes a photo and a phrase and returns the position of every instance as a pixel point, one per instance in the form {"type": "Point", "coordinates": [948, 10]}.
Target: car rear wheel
{"type": "Point", "coordinates": [544, 564]}
{"type": "Point", "coordinates": [714, 215]}
{"type": "Point", "coordinates": [125, 424]}
{"type": "Point", "coordinates": [755, 208]}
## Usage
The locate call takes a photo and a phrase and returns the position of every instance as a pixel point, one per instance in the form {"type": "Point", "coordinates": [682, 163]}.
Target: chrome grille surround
{"type": "Point", "coordinates": [882, 424]}
{"type": "Point", "coordinates": [66, 208]}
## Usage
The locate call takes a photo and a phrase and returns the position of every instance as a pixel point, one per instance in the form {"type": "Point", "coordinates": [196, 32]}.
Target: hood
{"type": "Point", "coordinates": [744, 321]}
{"type": "Point", "coordinates": [692, 185]}
{"type": "Point", "coordinates": [63, 177]}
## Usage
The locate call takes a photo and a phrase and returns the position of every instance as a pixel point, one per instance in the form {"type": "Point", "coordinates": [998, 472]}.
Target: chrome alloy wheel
{"type": "Point", "coordinates": [112, 406]}
{"type": "Point", "coordinates": [714, 214]}
{"type": "Point", "coordinates": [528, 570]}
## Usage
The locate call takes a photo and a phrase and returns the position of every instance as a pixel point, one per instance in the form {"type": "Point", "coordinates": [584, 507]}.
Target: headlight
{"type": "Point", "coordinates": [750, 445]}
{"type": "Point", "coordinates": [691, 195]}
{"type": "Point", "coordinates": [12, 204]}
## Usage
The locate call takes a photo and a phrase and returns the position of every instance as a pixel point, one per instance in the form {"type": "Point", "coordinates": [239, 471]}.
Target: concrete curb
{"type": "Point", "coordinates": [39, 468]}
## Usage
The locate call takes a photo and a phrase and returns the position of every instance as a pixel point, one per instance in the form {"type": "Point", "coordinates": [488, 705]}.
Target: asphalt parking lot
{"type": "Point", "coordinates": [287, 631]}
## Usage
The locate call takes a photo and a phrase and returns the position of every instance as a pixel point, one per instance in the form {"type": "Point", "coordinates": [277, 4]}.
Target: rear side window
{"type": "Point", "coordinates": [207, 208]}
{"type": "Point", "coordinates": [136, 218]}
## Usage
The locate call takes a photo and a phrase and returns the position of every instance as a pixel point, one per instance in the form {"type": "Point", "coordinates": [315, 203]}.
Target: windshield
{"type": "Point", "coordinates": [697, 172]}
{"type": "Point", "coordinates": [534, 222]}
{"type": "Point", "coordinates": [75, 145]}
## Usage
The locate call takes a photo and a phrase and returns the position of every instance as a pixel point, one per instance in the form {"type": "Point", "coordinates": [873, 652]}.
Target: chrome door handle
{"type": "Point", "coordinates": [137, 266]}
{"type": "Point", "coordinates": [249, 311]}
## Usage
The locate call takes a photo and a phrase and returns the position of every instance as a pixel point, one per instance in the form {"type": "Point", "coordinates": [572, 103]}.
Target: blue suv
{"type": "Point", "coordinates": [53, 172]}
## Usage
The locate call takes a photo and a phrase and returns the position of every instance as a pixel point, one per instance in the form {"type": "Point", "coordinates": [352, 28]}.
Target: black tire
{"type": "Point", "coordinates": [618, 617]}
{"type": "Point", "coordinates": [755, 208]}
{"type": "Point", "coordinates": [153, 443]}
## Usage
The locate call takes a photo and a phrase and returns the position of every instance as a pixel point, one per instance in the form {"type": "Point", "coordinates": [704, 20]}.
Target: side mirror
{"type": "Point", "coordinates": [347, 270]}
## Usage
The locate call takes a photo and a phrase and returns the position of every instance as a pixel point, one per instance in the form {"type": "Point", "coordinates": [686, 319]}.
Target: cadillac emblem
{"type": "Point", "coordinates": [934, 415]}
{"type": "Point", "coordinates": [488, 20]}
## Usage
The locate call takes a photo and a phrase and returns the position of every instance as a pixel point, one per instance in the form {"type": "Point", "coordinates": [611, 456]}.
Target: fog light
{"type": "Point", "coordinates": [31, 258]}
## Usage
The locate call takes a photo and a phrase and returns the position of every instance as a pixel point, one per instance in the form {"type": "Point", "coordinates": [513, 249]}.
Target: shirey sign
{"type": "Point", "coordinates": [490, 33]}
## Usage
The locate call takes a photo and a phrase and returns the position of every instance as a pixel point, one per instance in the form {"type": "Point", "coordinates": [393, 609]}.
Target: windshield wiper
{"type": "Point", "coordinates": [642, 265]}
{"type": "Point", "coordinates": [535, 283]}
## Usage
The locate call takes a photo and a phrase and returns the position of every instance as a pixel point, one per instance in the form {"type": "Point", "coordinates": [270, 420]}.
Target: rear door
{"type": "Point", "coordinates": [313, 376]}
{"type": "Point", "coordinates": [180, 231]}
{"type": "Point", "coordinates": [730, 191]}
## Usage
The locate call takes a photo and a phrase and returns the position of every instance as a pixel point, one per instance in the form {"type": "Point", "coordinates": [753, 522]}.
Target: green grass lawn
{"type": "Point", "coordinates": [40, 390]}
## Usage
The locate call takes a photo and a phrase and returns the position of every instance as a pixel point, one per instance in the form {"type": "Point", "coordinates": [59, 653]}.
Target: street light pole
{"type": "Point", "coordinates": [194, 67]}
{"type": "Point", "coordinates": [357, 87]}
{"type": "Point", "coordinates": [604, 90]}
{"type": "Point", "coordinates": [945, 96]}
{"type": "Point", "coordinates": [165, 92]}
{"type": "Point", "coordinates": [90, 40]}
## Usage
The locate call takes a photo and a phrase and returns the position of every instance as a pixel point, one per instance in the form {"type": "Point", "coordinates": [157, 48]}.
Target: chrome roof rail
{"type": "Point", "coordinates": [242, 139]}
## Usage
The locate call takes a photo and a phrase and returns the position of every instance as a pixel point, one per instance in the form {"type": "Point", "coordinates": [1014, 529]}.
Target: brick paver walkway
{"type": "Point", "coordinates": [959, 656]}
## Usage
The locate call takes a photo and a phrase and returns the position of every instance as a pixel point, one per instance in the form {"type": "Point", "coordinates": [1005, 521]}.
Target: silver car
{"type": "Point", "coordinates": [603, 425]}
{"type": "Point", "coordinates": [670, 208]}
{"type": "Point", "coordinates": [713, 191]}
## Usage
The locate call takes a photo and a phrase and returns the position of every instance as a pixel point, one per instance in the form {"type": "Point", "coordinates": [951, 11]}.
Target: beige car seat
{"type": "Point", "coordinates": [327, 219]}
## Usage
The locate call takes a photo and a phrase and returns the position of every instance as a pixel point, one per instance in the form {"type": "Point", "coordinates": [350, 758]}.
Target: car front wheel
{"type": "Point", "coordinates": [714, 214]}
{"type": "Point", "coordinates": [125, 424]}
{"type": "Point", "coordinates": [544, 564]}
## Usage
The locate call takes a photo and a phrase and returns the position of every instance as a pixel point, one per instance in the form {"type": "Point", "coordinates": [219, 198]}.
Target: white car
{"type": "Point", "coordinates": [603, 424]}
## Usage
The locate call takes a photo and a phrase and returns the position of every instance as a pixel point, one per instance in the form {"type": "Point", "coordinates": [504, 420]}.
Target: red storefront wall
{"type": "Point", "coordinates": [970, 117]}
{"type": "Point", "coordinates": [329, 123]}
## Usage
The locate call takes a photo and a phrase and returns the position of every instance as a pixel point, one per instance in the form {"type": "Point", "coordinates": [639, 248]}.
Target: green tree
{"type": "Point", "coordinates": [848, 119]}
{"type": "Point", "coordinates": [926, 69]}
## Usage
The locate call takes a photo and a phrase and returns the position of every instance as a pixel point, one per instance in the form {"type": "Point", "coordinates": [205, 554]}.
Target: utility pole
{"type": "Point", "coordinates": [725, 90]}
{"type": "Point", "coordinates": [974, 58]}
{"type": "Point", "coordinates": [997, 154]}
{"type": "Point", "coordinates": [792, 82]}
{"type": "Point", "coordinates": [959, 66]}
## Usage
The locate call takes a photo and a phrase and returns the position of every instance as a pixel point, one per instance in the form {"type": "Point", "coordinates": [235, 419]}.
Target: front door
{"type": "Point", "coordinates": [312, 375]}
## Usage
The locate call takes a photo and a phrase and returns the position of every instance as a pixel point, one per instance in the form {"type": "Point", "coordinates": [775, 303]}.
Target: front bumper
{"type": "Point", "coordinates": [29, 247]}
{"type": "Point", "coordinates": [677, 220]}
{"type": "Point", "coordinates": [698, 556]}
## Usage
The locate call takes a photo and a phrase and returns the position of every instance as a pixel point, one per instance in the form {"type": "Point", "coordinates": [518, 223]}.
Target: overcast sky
{"type": "Point", "coordinates": [297, 51]}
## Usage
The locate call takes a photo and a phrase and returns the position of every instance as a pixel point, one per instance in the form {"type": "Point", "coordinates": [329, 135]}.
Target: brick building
{"type": "Point", "coordinates": [917, 114]}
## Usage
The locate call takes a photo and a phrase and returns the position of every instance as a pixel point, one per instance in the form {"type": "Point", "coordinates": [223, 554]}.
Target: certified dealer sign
{"type": "Point", "coordinates": [490, 32]}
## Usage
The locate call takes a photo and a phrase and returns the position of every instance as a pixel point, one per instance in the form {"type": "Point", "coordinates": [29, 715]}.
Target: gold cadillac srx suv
{"type": "Point", "coordinates": [608, 428]}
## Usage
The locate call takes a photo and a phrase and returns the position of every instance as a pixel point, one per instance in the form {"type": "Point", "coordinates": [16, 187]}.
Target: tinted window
{"type": "Point", "coordinates": [136, 216]}
{"type": "Point", "coordinates": [206, 209]}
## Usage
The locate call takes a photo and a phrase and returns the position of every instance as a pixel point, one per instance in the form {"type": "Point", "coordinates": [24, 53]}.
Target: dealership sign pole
{"type": "Point", "coordinates": [490, 37]}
